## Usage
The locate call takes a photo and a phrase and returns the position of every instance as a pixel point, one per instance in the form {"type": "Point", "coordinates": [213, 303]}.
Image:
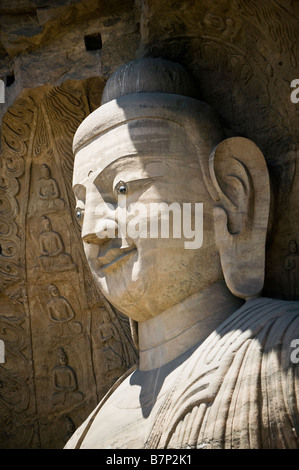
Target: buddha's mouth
{"type": "Point", "coordinates": [115, 256]}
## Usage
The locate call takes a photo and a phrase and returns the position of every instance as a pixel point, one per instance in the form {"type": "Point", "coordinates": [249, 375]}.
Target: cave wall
{"type": "Point", "coordinates": [55, 58]}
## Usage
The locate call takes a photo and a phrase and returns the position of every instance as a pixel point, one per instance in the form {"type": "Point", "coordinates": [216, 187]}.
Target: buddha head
{"type": "Point", "coordinates": [153, 144]}
{"type": "Point", "coordinates": [53, 290]}
{"type": "Point", "coordinates": [62, 357]}
{"type": "Point", "coordinates": [293, 246]}
{"type": "Point", "coordinates": [46, 223]}
{"type": "Point", "coordinates": [45, 171]}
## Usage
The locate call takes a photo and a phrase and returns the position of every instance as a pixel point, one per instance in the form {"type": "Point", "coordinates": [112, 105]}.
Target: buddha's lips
{"type": "Point", "coordinates": [114, 255]}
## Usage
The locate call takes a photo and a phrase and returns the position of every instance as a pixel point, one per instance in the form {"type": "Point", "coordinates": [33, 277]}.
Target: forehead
{"type": "Point", "coordinates": [140, 138]}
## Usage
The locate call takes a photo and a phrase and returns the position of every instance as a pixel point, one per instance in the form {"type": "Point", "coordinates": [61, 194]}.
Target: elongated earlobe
{"type": "Point", "coordinates": [240, 180]}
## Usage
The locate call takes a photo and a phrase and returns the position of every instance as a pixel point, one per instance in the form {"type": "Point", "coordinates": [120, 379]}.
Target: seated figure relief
{"type": "Point", "coordinates": [215, 357]}
{"type": "Point", "coordinates": [64, 382]}
{"type": "Point", "coordinates": [48, 191]}
{"type": "Point", "coordinates": [52, 256]}
{"type": "Point", "coordinates": [62, 315]}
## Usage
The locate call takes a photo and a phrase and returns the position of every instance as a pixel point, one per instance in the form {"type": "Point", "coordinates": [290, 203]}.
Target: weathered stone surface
{"type": "Point", "coordinates": [236, 45]}
{"type": "Point", "coordinates": [58, 360]}
{"type": "Point", "coordinates": [214, 371]}
{"type": "Point", "coordinates": [250, 49]}
{"type": "Point", "coordinates": [64, 344]}
{"type": "Point", "coordinates": [43, 43]}
{"type": "Point", "coordinates": [242, 56]}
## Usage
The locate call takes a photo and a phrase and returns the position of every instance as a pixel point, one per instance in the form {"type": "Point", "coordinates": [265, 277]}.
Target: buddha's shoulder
{"type": "Point", "coordinates": [76, 439]}
{"type": "Point", "coordinates": [270, 320]}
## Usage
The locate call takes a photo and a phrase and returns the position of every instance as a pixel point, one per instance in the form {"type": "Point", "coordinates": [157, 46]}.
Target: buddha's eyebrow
{"type": "Point", "coordinates": [105, 175]}
{"type": "Point", "coordinates": [109, 171]}
{"type": "Point", "coordinates": [104, 178]}
{"type": "Point", "coordinates": [80, 192]}
{"type": "Point", "coordinates": [126, 163]}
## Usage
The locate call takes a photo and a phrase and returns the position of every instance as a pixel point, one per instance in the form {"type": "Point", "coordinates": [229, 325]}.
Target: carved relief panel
{"type": "Point", "coordinates": [50, 314]}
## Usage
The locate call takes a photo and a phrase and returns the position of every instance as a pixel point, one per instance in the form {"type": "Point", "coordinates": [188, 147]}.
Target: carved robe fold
{"type": "Point", "coordinates": [239, 389]}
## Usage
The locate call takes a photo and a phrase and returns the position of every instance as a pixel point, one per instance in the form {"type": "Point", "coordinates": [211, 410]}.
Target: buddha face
{"type": "Point", "coordinates": [293, 246]}
{"type": "Point", "coordinates": [116, 185]}
{"type": "Point", "coordinates": [46, 223]}
{"type": "Point", "coordinates": [62, 358]}
{"type": "Point", "coordinates": [53, 290]}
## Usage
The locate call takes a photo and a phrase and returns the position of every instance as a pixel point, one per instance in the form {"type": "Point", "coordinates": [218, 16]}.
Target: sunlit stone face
{"type": "Point", "coordinates": [120, 181]}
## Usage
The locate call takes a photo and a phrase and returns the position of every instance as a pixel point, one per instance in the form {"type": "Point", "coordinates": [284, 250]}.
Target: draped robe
{"type": "Point", "coordinates": [238, 389]}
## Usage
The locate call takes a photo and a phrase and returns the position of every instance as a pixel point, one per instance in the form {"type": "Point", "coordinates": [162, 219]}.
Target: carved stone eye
{"type": "Point", "coordinates": [79, 214]}
{"type": "Point", "coordinates": [121, 188]}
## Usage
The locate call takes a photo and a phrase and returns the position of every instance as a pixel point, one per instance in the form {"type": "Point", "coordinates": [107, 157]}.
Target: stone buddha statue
{"type": "Point", "coordinates": [215, 368]}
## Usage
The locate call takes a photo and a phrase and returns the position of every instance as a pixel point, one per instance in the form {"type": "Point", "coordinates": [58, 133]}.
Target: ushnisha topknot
{"type": "Point", "coordinates": [149, 89]}
{"type": "Point", "coordinates": [149, 75]}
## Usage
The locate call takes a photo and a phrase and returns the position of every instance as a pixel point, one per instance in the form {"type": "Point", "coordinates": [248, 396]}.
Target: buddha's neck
{"type": "Point", "coordinates": [170, 334]}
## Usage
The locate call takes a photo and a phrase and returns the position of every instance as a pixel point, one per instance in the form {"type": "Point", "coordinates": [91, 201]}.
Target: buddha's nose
{"type": "Point", "coordinates": [97, 230]}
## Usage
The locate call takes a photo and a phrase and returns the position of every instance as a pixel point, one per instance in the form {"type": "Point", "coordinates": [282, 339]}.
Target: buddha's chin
{"type": "Point", "coordinates": [125, 287]}
{"type": "Point", "coordinates": [129, 297]}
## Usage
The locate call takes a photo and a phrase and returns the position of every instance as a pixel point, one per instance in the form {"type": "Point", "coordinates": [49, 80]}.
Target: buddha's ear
{"type": "Point", "coordinates": [241, 191]}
